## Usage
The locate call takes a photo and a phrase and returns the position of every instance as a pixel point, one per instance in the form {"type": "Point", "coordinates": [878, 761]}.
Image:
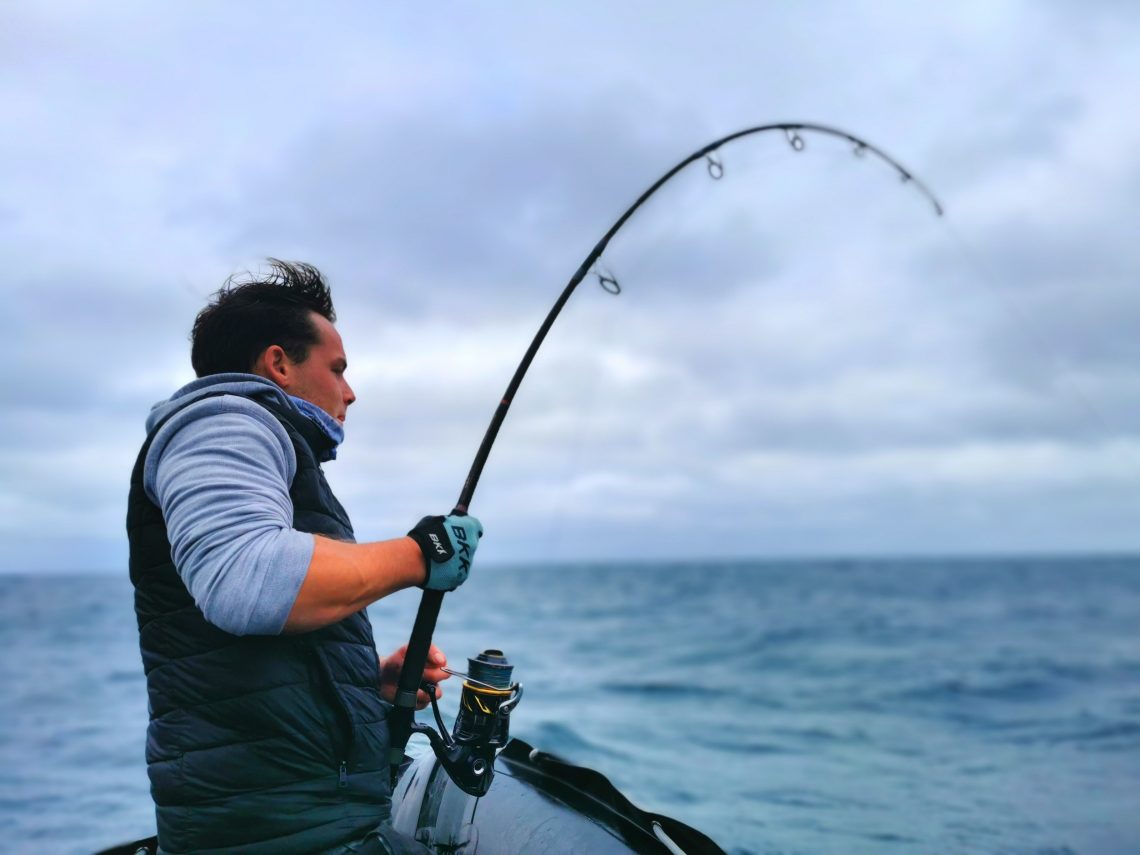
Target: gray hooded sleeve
{"type": "Point", "coordinates": [220, 471]}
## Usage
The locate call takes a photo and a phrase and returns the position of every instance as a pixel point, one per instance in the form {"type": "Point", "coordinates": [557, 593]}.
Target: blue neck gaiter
{"type": "Point", "coordinates": [331, 428]}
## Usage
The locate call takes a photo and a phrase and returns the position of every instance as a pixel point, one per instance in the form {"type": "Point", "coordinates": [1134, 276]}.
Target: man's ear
{"type": "Point", "coordinates": [274, 364]}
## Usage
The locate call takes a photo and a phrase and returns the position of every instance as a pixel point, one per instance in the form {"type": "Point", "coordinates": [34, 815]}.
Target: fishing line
{"type": "Point", "coordinates": [403, 715]}
{"type": "Point", "coordinates": [1038, 341]}
{"type": "Point", "coordinates": [602, 329]}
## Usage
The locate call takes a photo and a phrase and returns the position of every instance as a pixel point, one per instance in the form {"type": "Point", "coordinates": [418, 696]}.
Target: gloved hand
{"type": "Point", "coordinates": [448, 544]}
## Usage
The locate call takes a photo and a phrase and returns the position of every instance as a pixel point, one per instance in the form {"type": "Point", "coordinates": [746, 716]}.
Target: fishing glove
{"type": "Point", "coordinates": [448, 544]}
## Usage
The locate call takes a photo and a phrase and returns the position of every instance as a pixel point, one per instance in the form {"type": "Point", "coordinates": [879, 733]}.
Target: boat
{"type": "Point", "coordinates": [537, 803]}
{"type": "Point", "coordinates": [481, 792]}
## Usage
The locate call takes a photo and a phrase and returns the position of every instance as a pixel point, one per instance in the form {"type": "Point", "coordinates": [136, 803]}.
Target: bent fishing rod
{"type": "Point", "coordinates": [468, 765]}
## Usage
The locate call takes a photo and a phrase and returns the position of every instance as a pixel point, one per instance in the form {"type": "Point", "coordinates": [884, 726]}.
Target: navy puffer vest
{"type": "Point", "coordinates": [257, 744]}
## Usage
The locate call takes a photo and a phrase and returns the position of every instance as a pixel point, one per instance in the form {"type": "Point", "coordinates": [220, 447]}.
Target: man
{"type": "Point", "coordinates": [268, 730]}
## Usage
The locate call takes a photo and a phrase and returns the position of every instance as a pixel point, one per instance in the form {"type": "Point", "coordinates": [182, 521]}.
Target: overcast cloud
{"type": "Point", "coordinates": [804, 359]}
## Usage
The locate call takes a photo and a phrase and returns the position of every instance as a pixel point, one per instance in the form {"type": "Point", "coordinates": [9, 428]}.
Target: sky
{"type": "Point", "coordinates": [804, 359]}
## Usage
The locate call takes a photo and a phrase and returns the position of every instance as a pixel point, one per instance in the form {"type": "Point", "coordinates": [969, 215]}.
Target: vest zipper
{"type": "Point", "coordinates": [343, 748]}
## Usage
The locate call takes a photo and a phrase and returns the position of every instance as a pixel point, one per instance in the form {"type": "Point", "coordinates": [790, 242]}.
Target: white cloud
{"type": "Point", "coordinates": [801, 342]}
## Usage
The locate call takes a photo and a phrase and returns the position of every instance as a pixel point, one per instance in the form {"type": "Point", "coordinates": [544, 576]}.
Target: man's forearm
{"type": "Point", "coordinates": [343, 578]}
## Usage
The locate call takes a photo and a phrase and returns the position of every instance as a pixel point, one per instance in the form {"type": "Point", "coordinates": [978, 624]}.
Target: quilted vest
{"type": "Point", "coordinates": [257, 744]}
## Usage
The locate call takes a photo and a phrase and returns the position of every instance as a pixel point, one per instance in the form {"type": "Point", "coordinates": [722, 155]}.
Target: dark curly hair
{"type": "Point", "coordinates": [251, 312]}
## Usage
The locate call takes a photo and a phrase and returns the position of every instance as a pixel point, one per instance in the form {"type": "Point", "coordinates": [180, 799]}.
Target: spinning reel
{"type": "Point", "coordinates": [482, 726]}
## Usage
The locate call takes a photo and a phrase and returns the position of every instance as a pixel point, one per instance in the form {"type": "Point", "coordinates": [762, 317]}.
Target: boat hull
{"type": "Point", "coordinates": [537, 804]}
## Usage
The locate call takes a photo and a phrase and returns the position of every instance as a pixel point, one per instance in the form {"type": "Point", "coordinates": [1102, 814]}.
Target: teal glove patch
{"type": "Point", "coordinates": [448, 545]}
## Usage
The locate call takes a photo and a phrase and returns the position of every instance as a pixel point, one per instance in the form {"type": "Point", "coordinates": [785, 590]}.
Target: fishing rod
{"type": "Point", "coordinates": [467, 762]}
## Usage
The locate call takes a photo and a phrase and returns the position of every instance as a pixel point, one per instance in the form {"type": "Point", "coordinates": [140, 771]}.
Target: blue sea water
{"type": "Point", "coordinates": [902, 706]}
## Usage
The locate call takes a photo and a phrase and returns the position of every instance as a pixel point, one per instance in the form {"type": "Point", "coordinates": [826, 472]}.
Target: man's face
{"type": "Point", "coordinates": [320, 378]}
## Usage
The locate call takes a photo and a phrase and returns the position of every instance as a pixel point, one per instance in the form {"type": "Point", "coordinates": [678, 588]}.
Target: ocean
{"type": "Point", "coordinates": [839, 706]}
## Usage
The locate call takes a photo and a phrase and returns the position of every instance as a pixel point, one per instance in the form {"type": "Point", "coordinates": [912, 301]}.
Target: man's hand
{"type": "Point", "coordinates": [391, 666]}
{"type": "Point", "coordinates": [448, 546]}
